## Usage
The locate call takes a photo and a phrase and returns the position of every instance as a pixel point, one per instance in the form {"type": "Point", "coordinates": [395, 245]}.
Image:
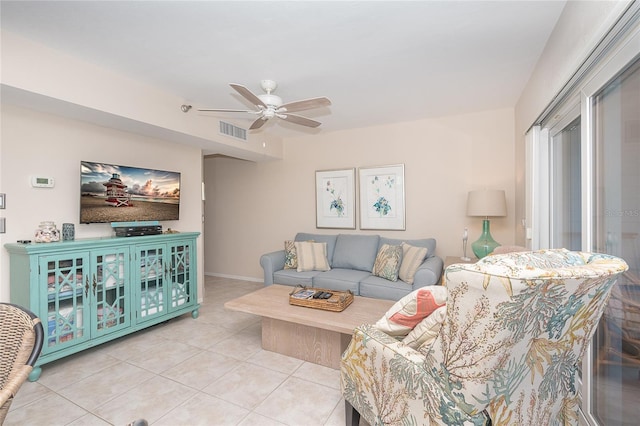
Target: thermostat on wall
{"type": "Point", "coordinates": [42, 182]}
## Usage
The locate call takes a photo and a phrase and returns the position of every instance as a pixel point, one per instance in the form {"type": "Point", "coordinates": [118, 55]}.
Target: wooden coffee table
{"type": "Point", "coordinates": [309, 334]}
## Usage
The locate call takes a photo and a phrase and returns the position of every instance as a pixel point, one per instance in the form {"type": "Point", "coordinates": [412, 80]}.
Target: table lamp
{"type": "Point", "coordinates": [486, 203]}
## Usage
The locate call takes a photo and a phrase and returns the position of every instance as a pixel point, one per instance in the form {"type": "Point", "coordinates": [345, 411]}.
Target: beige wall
{"type": "Point", "coordinates": [45, 79]}
{"type": "Point", "coordinates": [251, 208]}
{"type": "Point", "coordinates": [580, 27]}
{"type": "Point", "coordinates": [35, 143]}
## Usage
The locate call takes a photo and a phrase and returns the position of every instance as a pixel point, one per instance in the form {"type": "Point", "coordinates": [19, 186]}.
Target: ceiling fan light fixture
{"type": "Point", "coordinates": [271, 100]}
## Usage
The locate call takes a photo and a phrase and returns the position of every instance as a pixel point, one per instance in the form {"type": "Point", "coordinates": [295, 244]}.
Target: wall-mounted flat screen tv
{"type": "Point", "coordinates": [112, 193]}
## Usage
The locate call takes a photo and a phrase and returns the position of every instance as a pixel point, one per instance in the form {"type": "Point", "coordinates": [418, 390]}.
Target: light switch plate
{"type": "Point", "coordinates": [3, 201]}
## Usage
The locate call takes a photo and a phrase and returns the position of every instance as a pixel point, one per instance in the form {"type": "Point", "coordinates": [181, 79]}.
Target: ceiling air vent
{"type": "Point", "coordinates": [233, 131]}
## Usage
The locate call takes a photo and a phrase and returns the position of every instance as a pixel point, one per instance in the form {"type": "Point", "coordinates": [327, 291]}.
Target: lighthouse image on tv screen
{"type": "Point", "coordinates": [111, 193]}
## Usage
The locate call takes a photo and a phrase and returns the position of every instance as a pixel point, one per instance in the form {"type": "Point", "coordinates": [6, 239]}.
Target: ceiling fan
{"type": "Point", "coordinates": [269, 105]}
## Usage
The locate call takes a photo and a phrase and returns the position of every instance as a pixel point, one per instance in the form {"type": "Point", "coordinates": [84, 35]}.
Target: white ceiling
{"type": "Point", "coordinates": [378, 61]}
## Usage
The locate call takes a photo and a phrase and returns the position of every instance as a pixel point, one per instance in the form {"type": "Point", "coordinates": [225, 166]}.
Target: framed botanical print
{"type": "Point", "coordinates": [382, 203]}
{"type": "Point", "coordinates": [335, 199]}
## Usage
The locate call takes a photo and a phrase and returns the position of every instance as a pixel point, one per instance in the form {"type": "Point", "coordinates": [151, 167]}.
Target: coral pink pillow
{"type": "Point", "coordinates": [427, 330]}
{"type": "Point", "coordinates": [407, 312]}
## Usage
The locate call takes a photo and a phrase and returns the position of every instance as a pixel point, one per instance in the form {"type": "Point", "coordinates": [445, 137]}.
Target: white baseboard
{"type": "Point", "coordinates": [234, 277]}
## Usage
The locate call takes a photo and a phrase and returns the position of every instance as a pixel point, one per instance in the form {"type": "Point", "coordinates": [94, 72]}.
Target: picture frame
{"type": "Point", "coordinates": [335, 199]}
{"type": "Point", "coordinates": [382, 198]}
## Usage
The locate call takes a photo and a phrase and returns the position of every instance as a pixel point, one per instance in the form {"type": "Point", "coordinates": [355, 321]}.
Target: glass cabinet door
{"type": "Point", "coordinates": [150, 282]}
{"type": "Point", "coordinates": [110, 290]}
{"type": "Point", "coordinates": [180, 275]}
{"type": "Point", "coordinates": [66, 278]}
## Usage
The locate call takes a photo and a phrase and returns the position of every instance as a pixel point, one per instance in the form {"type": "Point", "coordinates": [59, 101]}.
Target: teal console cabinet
{"type": "Point", "coordinates": [89, 291]}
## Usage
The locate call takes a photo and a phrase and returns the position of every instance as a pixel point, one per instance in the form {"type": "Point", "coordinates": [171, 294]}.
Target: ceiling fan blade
{"type": "Point", "coordinates": [226, 110]}
{"type": "Point", "coordinates": [258, 123]}
{"type": "Point", "coordinates": [248, 95]}
{"type": "Point", "coordinates": [298, 119]}
{"type": "Point", "coordinates": [305, 104]}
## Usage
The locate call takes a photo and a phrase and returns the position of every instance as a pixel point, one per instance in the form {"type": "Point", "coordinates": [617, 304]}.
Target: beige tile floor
{"type": "Point", "coordinates": [208, 371]}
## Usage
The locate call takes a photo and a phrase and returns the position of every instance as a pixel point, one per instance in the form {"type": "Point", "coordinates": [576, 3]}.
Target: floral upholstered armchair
{"type": "Point", "coordinates": [513, 333]}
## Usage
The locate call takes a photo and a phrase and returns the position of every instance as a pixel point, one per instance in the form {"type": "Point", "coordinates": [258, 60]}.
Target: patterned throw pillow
{"type": "Point", "coordinates": [312, 256]}
{"type": "Point", "coordinates": [290, 256]}
{"type": "Point", "coordinates": [412, 258]}
{"type": "Point", "coordinates": [387, 264]}
{"type": "Point", "coordinates": [407, 312]}
{"type": "Point", "coordinates": [427, 330]}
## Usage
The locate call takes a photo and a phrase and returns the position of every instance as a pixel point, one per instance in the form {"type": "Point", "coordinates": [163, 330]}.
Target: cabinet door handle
{"type": "Point", "coordinates": [86, 287]}
{"type": "Point", "coordinates": [95, 284]}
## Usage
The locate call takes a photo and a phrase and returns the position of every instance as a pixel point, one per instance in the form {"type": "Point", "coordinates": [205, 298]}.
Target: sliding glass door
{"type": "Point", "coordinates": [583, 193]}
{"type": "Point", "coordinates": [615, 390]}
{"type": "Point", "coordinates": [565, 192]}
{"type": "Point", "coordinates": [586, 190]}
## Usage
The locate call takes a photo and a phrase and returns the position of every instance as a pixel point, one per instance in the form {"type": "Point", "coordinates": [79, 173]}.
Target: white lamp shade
{"type": "Point", "coordinates": [487, 202]}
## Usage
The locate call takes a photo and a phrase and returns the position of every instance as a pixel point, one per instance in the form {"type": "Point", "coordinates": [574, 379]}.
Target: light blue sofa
{"type": "Point", "coordinates": [351, 258]}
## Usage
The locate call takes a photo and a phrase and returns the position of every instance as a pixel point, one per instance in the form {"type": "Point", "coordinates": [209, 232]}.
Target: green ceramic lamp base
{"type": "Point", "coordinates": [485, 244]}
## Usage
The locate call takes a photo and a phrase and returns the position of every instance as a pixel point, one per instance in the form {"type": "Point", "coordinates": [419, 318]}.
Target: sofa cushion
{"type": "Point", "coordinates": [293, 277]}
{"type": "Point", "coordinates": [320, 238]}
{"type": "Point", "coordinates": [290, 256]}
{"type": "Point", "coordinates": [312, 256]}
{"type": "Point", "coordinates": [407, 312]}
{"type": "Point", "coordinates": [427, 330]}
{"type": "Point", "coordinates": [340, 279]}
{"type": "Point", "coordinates": [355, 252]}
{"type": "Point", "coordinates": [412, 258]}
{"type": "Point", "coordinates": [379, 288]}
{"type": "Point", "coordinates": [428, 243]}
{"type": "Point", "coordinates": [387, 263]}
